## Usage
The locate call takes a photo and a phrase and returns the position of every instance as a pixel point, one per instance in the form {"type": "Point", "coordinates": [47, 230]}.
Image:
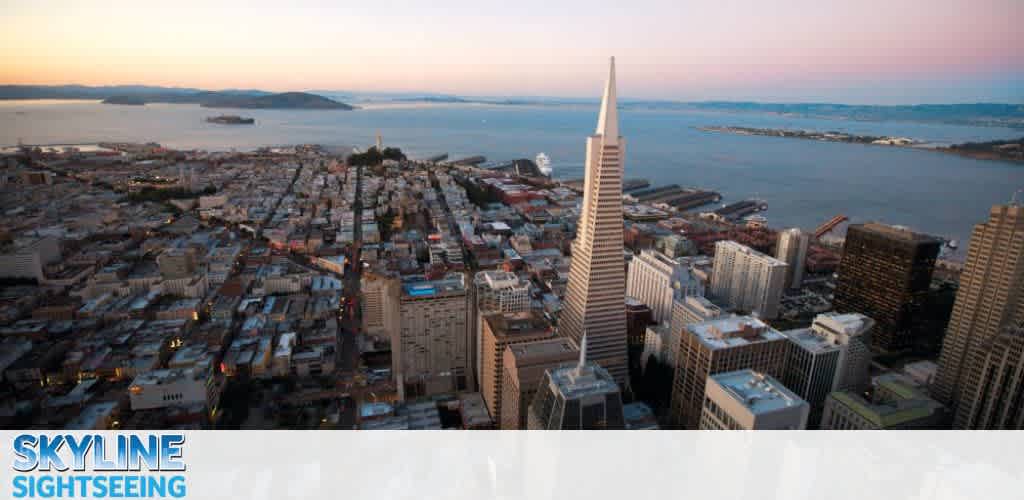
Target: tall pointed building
{"type": "Point", "coordinates": [595, 297]}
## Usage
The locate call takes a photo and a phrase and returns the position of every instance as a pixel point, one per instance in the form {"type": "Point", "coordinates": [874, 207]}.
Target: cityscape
{"type": "Point", "coordinates": [304, 287]}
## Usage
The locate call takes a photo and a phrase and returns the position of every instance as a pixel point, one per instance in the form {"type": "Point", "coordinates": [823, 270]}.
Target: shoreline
{"type": "Point", "coordinates": [870, 140]}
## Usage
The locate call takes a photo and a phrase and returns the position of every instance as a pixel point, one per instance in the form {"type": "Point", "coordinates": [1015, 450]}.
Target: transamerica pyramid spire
{"type": "Point", "coordinates": [608, 121]}
{"type": "Point", "coordinates": [595, 302]}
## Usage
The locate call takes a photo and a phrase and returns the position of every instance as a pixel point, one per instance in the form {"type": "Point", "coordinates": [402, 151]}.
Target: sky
{"type": "Point", "coordinates": [863, 51]}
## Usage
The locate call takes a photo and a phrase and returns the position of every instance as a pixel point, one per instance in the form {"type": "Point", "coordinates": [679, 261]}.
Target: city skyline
{"type": "Point", "coordinates": [914, 53]}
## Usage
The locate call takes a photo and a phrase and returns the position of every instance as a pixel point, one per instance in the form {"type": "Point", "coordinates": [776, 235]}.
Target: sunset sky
{"type": "Point", "coordinates": [866, 51]}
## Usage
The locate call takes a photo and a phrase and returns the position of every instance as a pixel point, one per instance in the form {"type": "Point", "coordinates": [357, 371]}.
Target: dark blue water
{"type": "Point", "coordinates": [804, 182]}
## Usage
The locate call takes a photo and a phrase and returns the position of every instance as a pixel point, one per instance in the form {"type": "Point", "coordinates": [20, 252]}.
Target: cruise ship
{"type": "Point", "coordinates": [544, 164]}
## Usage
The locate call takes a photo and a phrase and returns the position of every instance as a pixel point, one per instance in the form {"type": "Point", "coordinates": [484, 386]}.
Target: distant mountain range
{"type": "Point", "coordinates": [141, 94]}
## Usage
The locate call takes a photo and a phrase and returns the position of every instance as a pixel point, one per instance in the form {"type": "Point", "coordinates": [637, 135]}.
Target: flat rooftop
{"type": "Point", "coordinates": [757, 392]}
{"type": "Point", "coordinates": [897, 232]}
{"type": "Point", "coordinates": [733, 331]}
{"type": "Point", "coordinates": [430, 288]}
{"type": "Point", "coordinates": [574, 383]}
{"type": "Point", "coordinates": [543, 350]}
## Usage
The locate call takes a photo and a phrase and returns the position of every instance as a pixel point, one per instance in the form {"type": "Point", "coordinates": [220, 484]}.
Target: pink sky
{"type": "Point", "coordinates": [863, 51]}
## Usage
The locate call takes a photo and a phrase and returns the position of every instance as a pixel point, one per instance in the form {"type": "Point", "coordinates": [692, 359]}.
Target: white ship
{"type": "Point", "coordinates": [544, 164]}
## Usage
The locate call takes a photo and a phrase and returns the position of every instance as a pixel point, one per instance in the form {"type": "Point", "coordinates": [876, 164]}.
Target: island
{"type": "Point", "coordinates": [1003, 150]}
{"type": "Point", "coordinates": [230, 120]}
{"type": "Point", "coordinates": [830, 136]}
{"type": "Point", "coordinates": [1007, 150]}
{"type": "Point", "coordinates": [230, 99]}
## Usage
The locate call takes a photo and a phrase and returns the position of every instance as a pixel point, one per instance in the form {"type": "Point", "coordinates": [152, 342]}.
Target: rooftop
{"type": "Point", "coordinates": [733, 331]}
{"type": "Point", "coordinates": [574, 382]}
{"type": "Point", "coordinates": [758, 392]}
{"type": "Point", "coordinates": [419, 288]}
{"type": "Point", "coordinates": [518, 323]}
{"type": "Point", "coordinates": [897, 232]}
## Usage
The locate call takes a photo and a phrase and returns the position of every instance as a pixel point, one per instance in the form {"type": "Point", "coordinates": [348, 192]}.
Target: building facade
{"type": "Point", "coordinates": [989, 303]}
{"type": "Point", "coordinates": [885, 273]}
{"type": "Point", "coordinates": [748, 280]}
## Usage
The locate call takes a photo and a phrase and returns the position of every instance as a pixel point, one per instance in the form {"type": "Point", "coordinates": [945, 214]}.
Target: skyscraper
{"type": "Point", "coordinates": [792, 249]}
{"type": "Point", "coordinates": [885, 273]}
{"type": "Point", "coordinates": [595, 295]}
{"type": "Point", "coordinates": [583, 396]}
{"type": "Point", "coordinates": [989, 304]}
{"type": "Point", "coordinates": [748, 280]}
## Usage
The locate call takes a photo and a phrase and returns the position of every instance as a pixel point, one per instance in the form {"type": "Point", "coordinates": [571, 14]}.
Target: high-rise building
{"type": "Point", "coordinates": [834, 354]}
{"type": "Point", "coordinates": [885, 274]}
{"type": "Point", "coordinates": [988, 303]}
{"type": "Point", "coordinates": [894, 404]}
{"type": "Point", "coordinates": [594, 302]}
{"type": "Point", "coordinates": [748, 280]}
{"type": "Point", "coordinates": [792, 249]}
{"type": "Point", "coordinates": [718, 346]}
{"type": "Point", "coordinates": [584, 396]}
{"type": "Point", "coordinates": [429, 354]}
{"type": "Point", "coordinates": [992, 396]}
{"type": "Point", "coordinates": [524, 366]}
{"type": "Point", "coordinates": [495, 292]}
{"type": "Point", "coordinates": [748, 400]}
{"type": "Point", "coordinates": [379, 303]}
{"type": "Point", "coordinates": [658, 281]}
{"type": "Point", "coordinates": [500, 331]}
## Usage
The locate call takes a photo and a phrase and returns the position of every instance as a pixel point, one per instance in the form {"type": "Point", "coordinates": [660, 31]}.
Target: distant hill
{"type": "Point", "coordinates": [141, 94]}
{"type": "Point", "coordinates": [286, 100]}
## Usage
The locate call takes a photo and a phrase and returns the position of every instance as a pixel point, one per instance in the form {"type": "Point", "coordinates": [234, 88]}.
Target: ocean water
{"type": "Point", "coordinates": [804, 182]}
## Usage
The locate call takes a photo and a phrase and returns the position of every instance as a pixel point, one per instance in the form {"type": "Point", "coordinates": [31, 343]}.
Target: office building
{"type": "Point", "coordinates": [885, 274]}
{"type": "Point", "coordinates": [748, 400]}
{"type": "Point", "coordinates": [496, 292]}
{"type": "Point", "coordinates": [718, 346]}
{"type": "Point", "coordinates": [992, 396]}
{"type": "Point", "coordinates": [792, 249]}
{"type": "Point", "coordinates": [429, 354]}
{"type": "Point", "coordinates": [500, 331]}
{"type": "Point", "coordinates": [524, 366]}
{"type": "Point", "coordinates": [894, 404]}
{"type": "Point", "coordinates": [747, 280]}
{"type": "Point", "coordinates": [989, 303]}
{"type": "Point", "coordinates": [594, 303]}
{"type": "Point", "coordinates": [658, 281]}
{"type": "Point", "coordinates": [584, 396]}
{"type": "Point", "coordinates": [834, 354]}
